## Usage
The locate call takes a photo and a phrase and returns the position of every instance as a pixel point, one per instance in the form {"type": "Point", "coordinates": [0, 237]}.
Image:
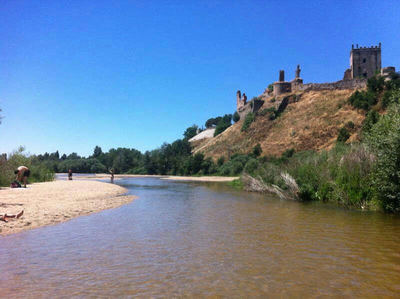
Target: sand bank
{"type": "Point", "coordinates": [164, 177]}
{"type": "Point", "coordinates": [201, 178]}
{"type": "Point", "coordinates": [53, 202]}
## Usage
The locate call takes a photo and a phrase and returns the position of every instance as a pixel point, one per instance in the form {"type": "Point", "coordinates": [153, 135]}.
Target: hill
{"type": "Point", "coordinates": [310, 121]}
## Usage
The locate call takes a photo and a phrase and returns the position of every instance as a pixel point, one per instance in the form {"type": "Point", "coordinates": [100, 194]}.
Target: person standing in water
{"type": "Point", "coordinates": [112, 174]}
{"type": "Point", "coordinates": [70, 174]}
{"type": "Point", "coordinates": [22, 173]}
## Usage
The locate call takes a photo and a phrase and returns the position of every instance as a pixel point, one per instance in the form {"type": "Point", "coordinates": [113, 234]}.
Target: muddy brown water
{"type": "Point", "coordinates": [199, 240]}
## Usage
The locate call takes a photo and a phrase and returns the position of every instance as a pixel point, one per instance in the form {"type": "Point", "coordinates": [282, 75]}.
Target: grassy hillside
{"type": "Point", "coordinates": [311, 120]}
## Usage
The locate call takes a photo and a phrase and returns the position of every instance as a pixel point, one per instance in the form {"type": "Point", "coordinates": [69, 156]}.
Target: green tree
{"type": "Point", "coordinates": [190, 132]}
{"type": "Point", "coordinates": [97, 152]}
{"type": "Point", "coordinates": [236, 117]}
{"type": "Point", "coordinates": [384, 139]}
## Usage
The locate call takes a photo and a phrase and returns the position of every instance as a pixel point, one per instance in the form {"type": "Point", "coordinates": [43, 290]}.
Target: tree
{"type": "Point", "coordinates": [384, 139]}
{"type": "Point", "coordinates": [236, 117]}
{"type": "Point", "coordinates": [97, 152]}
{"type": "Point", "coordinates": [190, 132]}
{"type": "Point", "coordinates": [71, 156]}
{"type": "Point", "coordinates": [223, 124]}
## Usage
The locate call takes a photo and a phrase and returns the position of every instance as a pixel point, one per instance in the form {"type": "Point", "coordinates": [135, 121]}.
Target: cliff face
{"type": "Point", "coordinates": [311, 121]}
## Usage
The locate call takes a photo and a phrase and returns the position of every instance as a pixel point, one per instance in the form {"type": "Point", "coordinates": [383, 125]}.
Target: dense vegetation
{"type": "Point", "coordinates": [39, 171]}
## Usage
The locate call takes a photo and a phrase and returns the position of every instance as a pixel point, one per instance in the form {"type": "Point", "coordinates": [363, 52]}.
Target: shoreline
{"type": "Point", "coordinates": [58, 201]}
{"type": "Point", "coordinates": [163, 177]}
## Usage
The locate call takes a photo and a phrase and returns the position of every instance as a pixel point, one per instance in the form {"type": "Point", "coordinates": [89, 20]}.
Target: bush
{"type": "Point", "coordinates": [236, 117]}
{"type": "Point", "coordinates": [363, 99]}
{"type": "Point", "coordinates": [223, 124]}
{"type": "Point", "coordinates": [371, 119]}
{"type": "Point", "coordinates": [39, 171]}
{"type": "Point", "coordinates": [384, 139]}
{"type": "Point", "coordinates": [251, 166]}
{"type": "Point", "coordinates": [288, 153]}
{"type": "Point", "coordinates": [343, 135]}
{"type": "Point", "coordinates": [247, 121]}
{"type": "Point", "coordinates": [257, 150]}
{"type": "Point", "coordinates": [375, 84]}
{"type": "Point", "coordinates": [220, 161]}
{"type": "Point", "coordinates": [350, 125]}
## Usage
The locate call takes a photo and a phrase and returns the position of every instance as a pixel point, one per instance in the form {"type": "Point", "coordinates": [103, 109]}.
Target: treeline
{"type": "Point", "coordinates": [170, 159]}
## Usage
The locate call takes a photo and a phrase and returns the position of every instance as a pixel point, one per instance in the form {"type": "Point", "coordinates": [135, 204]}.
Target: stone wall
{"type": "Point", "coordinates": [252, 106]}
{"type": "Point", "coordinates": [343, 84]}
{"type": "Point", "coordinates": [282, 87]}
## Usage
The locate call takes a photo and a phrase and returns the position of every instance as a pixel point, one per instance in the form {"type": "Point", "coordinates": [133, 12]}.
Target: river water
{"type": "Point", "coordinates": [197, 240]}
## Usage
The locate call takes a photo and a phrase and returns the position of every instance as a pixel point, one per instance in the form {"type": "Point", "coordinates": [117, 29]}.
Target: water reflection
{"type": "Point", "coordinates": [194, 239]}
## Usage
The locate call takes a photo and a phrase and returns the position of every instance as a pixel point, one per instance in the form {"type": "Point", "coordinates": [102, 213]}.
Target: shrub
{"type": "Point", "coordinates": [288, 153]}
{"type": "Point", "coordinates": [343, 135]}
{"type": "Point", "coordinates": [251, 166]}
{"type": "Point", "coordinates": [221, 161]}
{"type": "Point", "coordinates": [350, 125]}
{"type": "Point", "coordinates": [375, 84]}
{"type": "Point", "coordinates": [371, 119]}
{"type": "Point", "coordinates": [384, 139]}
{"type": "Point", "coordinates": [247, 121]}
{"type": "Point", "coordinates": [257, 150]}
{"type": "Point", "coordinates": [363, 99]}
{"type": "Point", "coordinates": [236, 117]}
{"type": "Point", "coordinates": [39, 171]}
{"type": "Point", "coordinates": [223, 124]}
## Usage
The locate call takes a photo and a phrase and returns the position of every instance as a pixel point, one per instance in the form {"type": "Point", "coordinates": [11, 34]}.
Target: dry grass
{"type": "Point", "coordinates": [313, 122]}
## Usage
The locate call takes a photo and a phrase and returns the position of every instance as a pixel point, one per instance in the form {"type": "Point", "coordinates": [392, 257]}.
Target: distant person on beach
{"type": "Point", "coordinates": [22, 173]}
{"type": "Point", "coordinates": [70, 174]}
{"type": "Point", "coordinates": [4, 217]}
{"type": "Point", "coordinates": [112, 174]}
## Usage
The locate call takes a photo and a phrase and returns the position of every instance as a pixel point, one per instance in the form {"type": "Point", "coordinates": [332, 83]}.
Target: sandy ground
{"type": "Point", "coordinates": [53, 202]}
{"type": "Point", "coordinates": [201, 178]}
{"type": "Point", "coordinates": [164, 177]}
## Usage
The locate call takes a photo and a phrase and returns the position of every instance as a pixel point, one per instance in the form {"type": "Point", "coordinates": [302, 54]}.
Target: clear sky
{"type": "Point", "coordinates": [76, 74]}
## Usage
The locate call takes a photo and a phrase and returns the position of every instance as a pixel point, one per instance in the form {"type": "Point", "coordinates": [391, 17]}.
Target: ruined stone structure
{"type": "Point", "coordinates": [240, 101]}
{"type": "Point", "coordinates": [364, 62]}
{"type": "Point", "coordinates": [243, 107]}
{"type": "Point", "coordinates": [282, 86]}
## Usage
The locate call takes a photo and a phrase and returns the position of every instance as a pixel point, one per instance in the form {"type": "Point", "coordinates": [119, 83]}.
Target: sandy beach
{"type": "Point", "coordinates": [58, 201]}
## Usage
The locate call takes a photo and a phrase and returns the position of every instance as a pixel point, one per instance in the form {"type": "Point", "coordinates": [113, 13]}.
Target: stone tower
{"type": "Point", "coordinates": [365, 62]}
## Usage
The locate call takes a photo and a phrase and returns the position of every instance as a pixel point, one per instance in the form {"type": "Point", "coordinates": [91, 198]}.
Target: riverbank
{"type": "Point", "coordinates": [164, 177]}
{"type": "Point", "coordinates": [58, 201]}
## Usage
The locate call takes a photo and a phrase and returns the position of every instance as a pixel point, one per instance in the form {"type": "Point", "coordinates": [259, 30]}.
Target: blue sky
{"type": "Point", "coordinates": [76, 74]}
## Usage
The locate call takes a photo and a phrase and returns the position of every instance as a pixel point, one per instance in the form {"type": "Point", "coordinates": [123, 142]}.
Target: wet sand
{"type": "Point", "coordinates": [54, 202]}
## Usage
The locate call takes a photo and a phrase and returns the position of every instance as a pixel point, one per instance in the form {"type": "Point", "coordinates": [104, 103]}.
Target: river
{"type": "Point", "coordinates": [197, 239]}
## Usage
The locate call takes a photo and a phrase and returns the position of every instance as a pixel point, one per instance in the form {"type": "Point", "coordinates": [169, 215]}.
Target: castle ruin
{"type": "Point", "coordinates": [365, 62]}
